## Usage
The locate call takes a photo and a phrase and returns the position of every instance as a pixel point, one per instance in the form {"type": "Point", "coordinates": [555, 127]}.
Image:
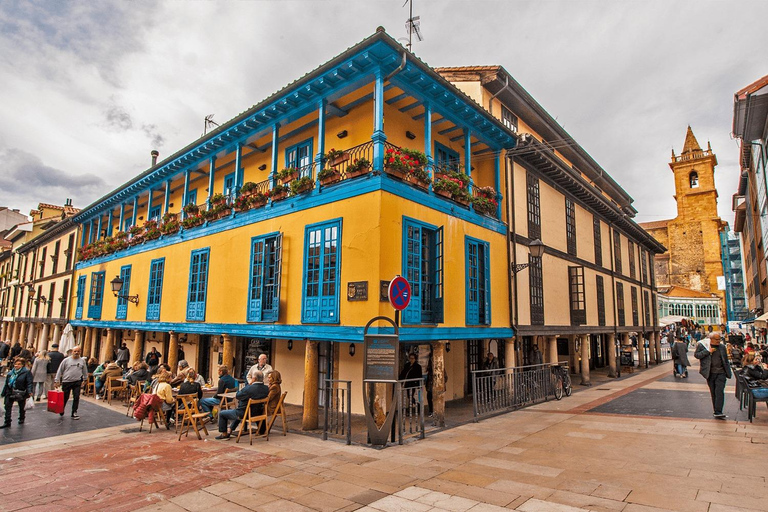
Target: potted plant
{"type": "Point", "coordinates": [219, 199]}
{"type": "Point", "coordinates": [209, 213]}
{"type": "Point", "coordinates": [259, 199]}
{"type": "Point", "coordinates": [170, 227]}
{"type": "Point", "coordinates": [248, 189]}
{"type": "Point", "coordinates": [453, 185]}
{"type": "Point", "coordinates": [242, 203]}
{"type": "Point", "coordinates": [357, 168]}
{"type": "Point", "coordinates": [420, 177]}
{"type": "Point", "coordinates": [287, 175]}
{"type": "Point", "coordinates": [336, 157]}
{"type": "Point", "coordinates": [191, 221]}
{"type": "Point", "coordinates": [120, 235]}
{"type": "Point", "coordinates": [151, 230]}
{"type": "Point", "coordinates": [484, 205]}
{"type": "Point", "coordinates": [168, 217]}
{"type": "Point", "coordinates": [329, 176]}
{"type": "Point", "coordinates": [279, 192]}
{"type": "Point", "coordinates": [191, 210]}
{"type": "Point", "coordinates": [135, 230]}
{"type": "Point", "coordinates": [301, 185]}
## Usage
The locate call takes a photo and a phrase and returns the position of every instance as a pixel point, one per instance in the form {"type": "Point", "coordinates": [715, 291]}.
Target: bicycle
{"type": "Point", "coordinates": [562, 381]}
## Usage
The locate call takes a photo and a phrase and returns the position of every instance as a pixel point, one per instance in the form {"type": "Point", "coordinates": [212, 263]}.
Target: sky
{"type": "Point", "coordinates": [88, 89]}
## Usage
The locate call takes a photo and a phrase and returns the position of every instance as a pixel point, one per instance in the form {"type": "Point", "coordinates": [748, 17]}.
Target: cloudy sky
{"type": "Point", "coordinates": [87, 89]}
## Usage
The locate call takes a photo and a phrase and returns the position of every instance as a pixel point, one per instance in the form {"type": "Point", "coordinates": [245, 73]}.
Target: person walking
{"type": "Point", "coordinates": [715, 368]}
{"type": "Point", "coordinates": [73, 371]}
{"type": "Point", "coordinates": [40, 373]}
{"type": "Point", "coordinates": [18, 387]}
{"type": "Point", "coordinates": [680, 357]}
{"type": "Point", "coordinates": [123, 357]}
{"type": "Point", "coordinates": [5, 350]}
{"type": "Point", "coordinates": [153, 360]}
{"type": "Point", "coordinates": [54, 361]}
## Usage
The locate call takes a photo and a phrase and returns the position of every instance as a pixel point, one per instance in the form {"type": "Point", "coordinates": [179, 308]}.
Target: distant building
{"type": "Point", "coordinates": [702, 307]}
{"type": "Point", "coordinates": [10, 218]}
{"type": "Point", "coordinates": [693, 259]}
{"type": "Point", "coordinates": [735, 298]}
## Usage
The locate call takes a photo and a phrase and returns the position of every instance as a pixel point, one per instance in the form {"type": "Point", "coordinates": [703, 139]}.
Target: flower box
{"type": "Point", "coordinates": [359, 171]}
{"type": "Point", "coordinates": [444, 193]}
{"type": "Point", "coordinates": [335, 162]}
{"type": "Point", "coordinates": [329, 177]}
{"type": "Point", "coordinates": [396, 173]}
{"type": "Point", "coordinates": [279, 195]}
{"type": "Point", "coordinates": [287, 175]}
{"type": "Point", "coordinates": [461, 199]}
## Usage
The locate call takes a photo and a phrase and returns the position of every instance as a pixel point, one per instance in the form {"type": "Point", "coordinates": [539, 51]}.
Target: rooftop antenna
{"type": "Point", "coordinates": [412, 26]}
{"type": "Point", "coordinates": [208, 122]}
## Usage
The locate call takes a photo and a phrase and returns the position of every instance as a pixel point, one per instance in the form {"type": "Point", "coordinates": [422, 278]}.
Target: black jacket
{"type": "Point", "coordinates": [705, 358]}
{"type": "Point", "coordinates": [23, 383]}
{"type": "Point", "coordinates": [56, 358]}
{"type": "Point", "coordinates": [255, 391]}
{"type": "Point", "coordinates": [680, 353]}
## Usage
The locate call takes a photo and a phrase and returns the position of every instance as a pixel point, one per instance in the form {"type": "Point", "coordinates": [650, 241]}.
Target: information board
{"type": "Point", "coordinates": [381, 357]}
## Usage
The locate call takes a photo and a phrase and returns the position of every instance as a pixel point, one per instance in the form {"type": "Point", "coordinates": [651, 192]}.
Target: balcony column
{"type": "Point", "coordinates": [438, 382]}
{"type": "Point", "coordinates": [552, 349]}
{"type": "Point", "coordinates": [641, 362]}
{"type": "Point", "coordinates": [82, 235]}
{"type": "Point", "coordinates": [320, 140]}
{"type": "Point", "coordinates": [610, 347]}
{"type": "Point", "coordinates": [167, 203]}
{"type": "Point", "coordinates": [468, 157]}
{"type": "Point", "coordinates": [228, 351]}
{"type": "Point", "coordinates": [211, 177]}
{"type": "Point", "coordinates": [173, 351]}
{"type": "Point", "coordinates": [309, 416]}
{"type": "Point", "coordinates": [90, 231]}
{"type": "Point", "coordinates": [273, 170]}
{"type": "Point", "coordinates": [138, 346]}
{"type": "Point", "coordinates": [428, 138]}
{"type": "Point", "coordinates": [238, 169]}
{"type": "Point", "coordinates": [98, 231]}
{"type": "Point", "coordinates": [652, 349]}
{"type": "Point", "coordinates": [134, 214]}
{"type": "Point", "coordinates": [497, 182]}
{"type": "Point", "coordinates": [378, 136]}
{"type": "Point", "coordinates": [122, 216]}
{"type": "Point", "coordinates": [149, 205]}
{"type": "Point", "coordinates": [184, 194]}
{"type": "Point", "coordinates": [110, 220]}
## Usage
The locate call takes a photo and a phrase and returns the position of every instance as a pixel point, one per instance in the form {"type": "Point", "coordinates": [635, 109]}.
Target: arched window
{"type": "Point", "coordinates": [693, 179]}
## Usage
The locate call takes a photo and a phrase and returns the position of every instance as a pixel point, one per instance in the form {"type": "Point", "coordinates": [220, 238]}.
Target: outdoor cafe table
{"type": "Point", "coordinates": [207, 392]}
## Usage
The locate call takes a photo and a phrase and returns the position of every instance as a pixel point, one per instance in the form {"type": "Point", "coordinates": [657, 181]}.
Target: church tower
{"type": "Point", "coordinates": [694, 171]}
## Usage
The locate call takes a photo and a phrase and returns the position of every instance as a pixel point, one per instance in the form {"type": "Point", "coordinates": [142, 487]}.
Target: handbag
{"type": "Point", "coordinates": [18, 394]}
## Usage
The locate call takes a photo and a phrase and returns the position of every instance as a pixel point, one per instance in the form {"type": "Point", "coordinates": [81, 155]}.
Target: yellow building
{"type": "Point", "coordinates": [299, 275]}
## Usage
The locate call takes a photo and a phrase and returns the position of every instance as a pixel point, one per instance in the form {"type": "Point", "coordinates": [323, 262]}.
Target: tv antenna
{"type": "Point", "coordinates": [208, 122]}
{"type": "Point", "coordinates": [413, 26]}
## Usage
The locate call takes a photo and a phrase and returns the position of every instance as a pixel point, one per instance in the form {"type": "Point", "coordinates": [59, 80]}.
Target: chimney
{"type": "Point", "coordinates": [155, 153]}
{"type": "Point", "coordinates": [68, 202]}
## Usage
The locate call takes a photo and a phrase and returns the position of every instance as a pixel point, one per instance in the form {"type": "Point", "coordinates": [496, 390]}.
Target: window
{"type": "Point", "coordinates": [423, 268]}
{"type": "Point", "coordinates": [445, 157]}
{"type": "Point", "coordinates": [51, 292]}
{"type": "Point", "coordinates": [154, 213]}
{"type": "Point", "coordinates": [597, 232]}
{"type": "Point", "coordinates": [122, 304]}
{"type": "Point", "coordinates": [264, 287]}
{"type": "Point", "coordinates": [63, 299]}
{"type": "Point", "coordinates": [155, 292]}
{"type": "Point", "coordinates": [191, 197]}
{"type": "Point", "coordinates": [97, 295]}
{"type": "Point", "coordinates": [509, 119]}
{"type": "Point", "coordinates": [620, 303]}
{"type": "Point", "coordinates": [69, 251]}
{"type": "Point", "coordinates": [321, 273]}
{"type": "Point", "coordinates": [534, 210]}
{"type": "Point", "coordinates": [647, 304]}
{"type": "Point", "coordinates": [198, 284]}
{"type": "Point", "coordinates": [127, 224]}
{"type": "Point", "coordinates": [570, 226]}
{"type": "Point", "coordinates": [80, 297]}
{"type": "Point", "coordinates": [693, 179]}
{"type": "Point", "coordinates": [633, 296]}
{"type": "Point", "coordinates": [55, 256]}
{"type": "Point", "coordinates": [617, 250]}
{"type": "Point", "coordinates": [600, 285]}
{"type": "Point", "coordinates": [631, 251]}
{"type": "Point", "coordinates": [42, 262]}
{"type": "Point", "coordinates": [577, 295]}
{"type": "Point", "coordinates": [229, 184]}
{"type": "Point", "coordinates": [299, 156]}
{"type": "Point", "coordinates": [644, 265]}
{"type": "Point", "coordinates": [478, 284]}
{"type": "Point", "coordinates": [536, 290]}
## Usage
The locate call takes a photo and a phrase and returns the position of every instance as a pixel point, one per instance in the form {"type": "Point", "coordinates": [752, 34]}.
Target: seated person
{"type": "Point", "coordinates": [191, 386]}
{"type": "Point", "coordinates": [274, 391]}
{"type": "Point", "coordinates": [112, 371]}
{"type": "Point", "coordinates": [181, 373]}
{"type": "Point", "coordinates": [165, 393]}
{"type": "Point", "coordinates": [254, 390]}
{"type": "Point", "coordinates": [226, 381]}
{"type": "Point", "coordinates": [93, 364]}
{"type": "Point", "coordinates": [753, 368]}
{"type": "Point", "coordinates": [140, 372]}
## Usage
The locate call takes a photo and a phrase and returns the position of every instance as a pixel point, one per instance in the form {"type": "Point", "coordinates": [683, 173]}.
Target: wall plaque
{"type": "Point", "coordinates": [357, 290]}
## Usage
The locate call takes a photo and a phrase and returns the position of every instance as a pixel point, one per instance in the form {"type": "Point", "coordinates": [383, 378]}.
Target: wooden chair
{"type": "Point", "coordinates": [90, 386]}
{"type": "Point", "coordinates": [251, 421]}
{"type": "Point", "coordinates": [191, 416]}
{"type": "Point", "coordinates": [136, 391]}
{"type": "Point", "coordinates": [226, 403]}
{"type": "Point", "coordinates": [116, 387]}
{"type": "Point", "coordinates": [159, 414]}
{"type": "Point", "coordinates": [281, 411]}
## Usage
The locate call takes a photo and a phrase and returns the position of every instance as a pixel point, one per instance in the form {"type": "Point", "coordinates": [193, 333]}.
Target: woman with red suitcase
{"type": "Point", "coordinates": [18, 387]}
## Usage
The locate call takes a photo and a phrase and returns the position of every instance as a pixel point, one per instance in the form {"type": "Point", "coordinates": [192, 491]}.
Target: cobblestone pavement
{"type": "Point", "coordinates": [570, 455]}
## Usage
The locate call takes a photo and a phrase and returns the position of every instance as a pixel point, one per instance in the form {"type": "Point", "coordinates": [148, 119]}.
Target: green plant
{"type": "Point", "coordinates": [279, 191]}
{"type": "Point", "coordinates": [135, 230]}
{"type": "Point", "coordinates": [287, 173]}
{"type": "Point", "coordinates": [248, 187]}
{"type": "Point", "coordinates": [243, 203]}
{"type": "Point", "coordinates": [168, 217]}
{"type": "Point", "coordinates": [333, 154]}
{"type": "Point", "coordinates": [218, 199]}
{"type": "Point", "coordinates": [209, 214]}
{"type": "Point", "coordinates": [191, 209]}
{"type": "Point", "coordinates": [359, 164]}
{"type": "Point", "coordinates": [487, 192]}
{"type": "Point", "coordinates": [327, 173]}
{"type": "Point", "coordinates": [192, 221]}
{"type": "Point", "coordinates": [169, 227]}
{"type": "Point", "coordinates": [404, 159]}
{"type": "Point", "coordinates": [300, 184]}
{"type": "Point", "coordinates": [484, 204]}
{"type": "Point", "coordinates": [422, 175]}
{"type": "Point", "coordinates": [121, 235]}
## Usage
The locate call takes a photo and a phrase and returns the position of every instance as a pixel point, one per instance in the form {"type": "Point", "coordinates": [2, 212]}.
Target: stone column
{"type": "Point", "coordinates": [552, 349]}
{"type": "Point", "coordinates": [309, 418]}
{"type": "Point", "coordinates": [641, 349]}
{"type": "Point", "coordinates": [652, 349]}
{"type": "Point", "coordinates": [30, 339]}
{"type": "Point", "coordinates": [573, 356]}
{"type": "Point", "coordinates": [23, 334]}
{"type": "Point", "coordinates": [109, 346]}
{"type": "Point", "coordinates": [585, 346]}
{"type": "Point", "coordinates": [656, 337]}
{"type": "Point", "coordinates": [438, 382]}
{"type": "Point", "coordinates": [173, 351]}
{"type": "Point", "coordinates": [228, 351]}
{"type": "Point", "coordinates": [87, 342]}
{"type": "Point", "coordinates": [57, 334]}
{"type": "Point", "coordinates": [79, 339]}
{"type": "Point", "coordinates": [15, 333]}
{"type": "Point", "coordinates": [611, 348]}
{"type": "Point", "coordinates": [138, 346]}
{"type": "Point", "coordinates": [4, 332]}
{"type": "Point", "coordinates": [509, 354]}
{"type": "Point", "coordinates": [43, 345]}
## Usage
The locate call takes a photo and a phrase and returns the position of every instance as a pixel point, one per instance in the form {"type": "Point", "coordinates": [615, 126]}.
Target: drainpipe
{"type": "Point", "coordinates": [399, 68]}
{"type": "Point", "coordinates": [490, 101]}
{"type": "Point", "coordinates": [510, 198]}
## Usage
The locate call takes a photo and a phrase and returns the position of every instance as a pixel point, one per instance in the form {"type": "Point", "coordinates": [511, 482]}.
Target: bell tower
{"type": "Point", "coordinates": [694, 171]}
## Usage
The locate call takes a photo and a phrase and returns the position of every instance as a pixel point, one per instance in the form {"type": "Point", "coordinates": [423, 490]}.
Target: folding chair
{"type": "Point", "coordinates": [281, 411]}
{"type": "Point", "coordinates": [191, 416]}
{"type": "Point", "coordinates": [159, 414]}
{"type": "Point", "coordinates": [226, 403]}
{"type": "Point", "coordinates": [135, 394]}
{"type": "Point", "coordinates": [116, 387]}
{"type": "Point", "coordinates": [251, 421]}
{"type": "Point", "coordinates": [90, 386]}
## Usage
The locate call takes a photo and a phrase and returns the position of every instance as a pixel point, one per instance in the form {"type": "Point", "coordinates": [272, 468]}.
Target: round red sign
{"type": "Point", "coordinates": [399, 293]}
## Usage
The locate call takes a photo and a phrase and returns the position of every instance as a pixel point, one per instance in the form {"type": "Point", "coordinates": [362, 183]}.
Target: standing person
{"type": "Point", "coordinates": [491, 363]}
{"type": "Point", "coordinates": [55, 358]}
{"type": "Point", "coordinates": [71, 375]}
{"type": "Point", "coordinates": [255, 390]}
{"type": "Point", "coordinates": [5, 350]}
{"type": "Point", "coordinates": [262, 366]}
{"type": "Point", "coordinates": [536, 356]}
{"type": "Point", "coordinates": [412, 370]}
{"type": "Point", "coordinates": [153, 360]}
{"type": "Point", "coordinates": [680, 357]}
{"type": "Point", "coordinates": [715, 368]}
{"type": "Point", "coordinates": [40, 373]}
{"type": "Point", "coordinates": [123, 357]}
{"type": "Point", "coordinates": [18, 387]}
{"type": "Point", "coordinates": [15, 351]}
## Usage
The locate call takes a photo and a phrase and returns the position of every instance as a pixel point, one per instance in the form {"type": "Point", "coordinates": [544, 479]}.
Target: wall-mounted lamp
{"type": "Point", "coordinates": [342, 134]}
{"type": "Point", "coordinates": [290, 344]}
{"type": "Point", "coordinates": [536, 249]}
{"type": "Point", "coordinates": [410, 135]}
{"type": "Point", "coordinates": [170, 205]}
{"type": "Point", "coordinates": [141, 218]}
{"type": "Point", "coordinates": [117, 285]}
{"type": "Point", "coordinates": [448, 347]}
{"type": "Point", "coordinates": [182, 339]}
{"type": "Point", "coordinates": [351, 349]}
{"type": "Point", "coordinates": [262, 167]}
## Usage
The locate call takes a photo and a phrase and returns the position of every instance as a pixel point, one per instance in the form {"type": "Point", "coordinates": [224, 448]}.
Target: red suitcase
{"type": "Point", "coordinates": [56, 401]}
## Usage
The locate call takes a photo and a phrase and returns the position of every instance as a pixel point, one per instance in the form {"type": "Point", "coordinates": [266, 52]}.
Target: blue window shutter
{"type": "Point", "coordinates": [191, 197]}
{"type": "Point", "coordinates": [256, 284]}
{"type": "Point", "coordinates": [80, 297]}
{"type": "Point", "coordinates": [155, 291]}
{"type": "Point", "coordinates": [486, 276]}
{"type": "Point", "coordinates": [97, 295]}
{"type": "Point", "coordinates": [412, 271]}
{"type": "Point", "coordinates": [122, 304]}
{"type": "Point", "coordinates": [471, 283]}
{"type": "Point", "coordinates": [273, 264]}
{"type": "Point", "coordinates": [437, 300]}
{"type": "Point", "coordinates": [198, 284]}
{"type": "Point", "coordinates": [229, 183]}
{"type": "Point", "coordinates": [321, 273]}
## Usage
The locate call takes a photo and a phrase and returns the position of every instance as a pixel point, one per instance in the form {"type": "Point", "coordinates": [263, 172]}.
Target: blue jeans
{"type": "Point", "coordinates": [207, 404]}
{"type": "Point", "coordinates": [760, 393]}
{"type": "Point", "coordinates": [680, 369]}
{"type": "Point", "coordinates": [225, 417]}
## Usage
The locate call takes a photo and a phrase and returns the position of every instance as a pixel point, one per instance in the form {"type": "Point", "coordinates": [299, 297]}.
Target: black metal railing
{"type": "Point", "coordinates": [510, 388]}
{"type": "Point", "coordinates": [410, 394]}
{"type": "Point", "coordinates": [338, 409]}
{"type": "Point", "coordinates": [355, 154]}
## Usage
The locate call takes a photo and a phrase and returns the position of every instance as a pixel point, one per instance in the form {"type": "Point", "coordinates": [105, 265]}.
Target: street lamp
{"type": "Point", "coordinates": [42, 298]}
{"type": "Point", "coordinates": [117, 285]}
{"type": "Point", "coordinates": [536, 249]}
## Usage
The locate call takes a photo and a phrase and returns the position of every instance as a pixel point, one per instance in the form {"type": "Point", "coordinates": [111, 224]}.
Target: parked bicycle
{"type": "Point", "coordinates": [561, 381]}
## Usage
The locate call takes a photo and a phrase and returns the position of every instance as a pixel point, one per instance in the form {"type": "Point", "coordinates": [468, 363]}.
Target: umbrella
{"type": "Point", "coordinates": [67, 339]}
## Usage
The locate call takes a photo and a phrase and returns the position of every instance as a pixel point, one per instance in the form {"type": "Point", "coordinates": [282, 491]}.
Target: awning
{"type": "Point", "coordinates": [761, 320]}
{"type": "Point", "coordinates": [671, 319]}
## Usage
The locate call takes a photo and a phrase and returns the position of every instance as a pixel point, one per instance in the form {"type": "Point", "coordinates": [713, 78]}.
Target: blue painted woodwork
{"type": "Point", "coordinates": [121, 220]}
{"type": "Point", "coordinates": [229, 184]}
{"type": "Point", "coordinates": [378, 136]}
{"type": "Point", "coordinates": [190, 197]}
{"type": "Point", "coordinates": [155, 291]}
{"type": "Point", "coordinates": [319, 160]}
{"type": "Point", "coordinates": [299, 156]}
{"type": "Point", "coordinates": [80, 297]}
{"type": "Point", "coordinates": [122, 304]}
{"type": "Point", "coordinates": [184, 192]}
{"type": "Point", "coordinates": [135, 213]}
{"type": "Point", "coordinates": [423, 268]}
{"type": "Point", "coordinates": [477, 286]}
{"type": "Point", "coordinates": [264, 285]}
{"type": "Point", "coordinates": [211, 174]}
{"type": "Point", "coordinates": [97, 295]}
{"type": "Point", "coordinates": [155, 213]}
{"type": "Point", "coordinates": [275, 138]}
{"type": "Point", "coordinates": [98, 232]}
{"type": "Point", "coordinates": [109, 224]}
{"type": "Point", "coordinates": [445, 157]}
{"type": "Point", "coordinates": [167, 200]}
{"type": "Point", "coordinates": [198, 284]}
{"type": "Point", "coordinates": [320, 294]}
{"type": "Point", "coordinates": [238, 169]}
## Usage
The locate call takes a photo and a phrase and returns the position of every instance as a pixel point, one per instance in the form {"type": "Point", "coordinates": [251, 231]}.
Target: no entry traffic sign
{"type": "Point", "coordinates": [399, 293]}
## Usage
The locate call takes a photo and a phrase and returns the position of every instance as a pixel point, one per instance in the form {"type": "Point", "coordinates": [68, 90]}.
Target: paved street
{"type": "Point", "coordinates": [644, 443]}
